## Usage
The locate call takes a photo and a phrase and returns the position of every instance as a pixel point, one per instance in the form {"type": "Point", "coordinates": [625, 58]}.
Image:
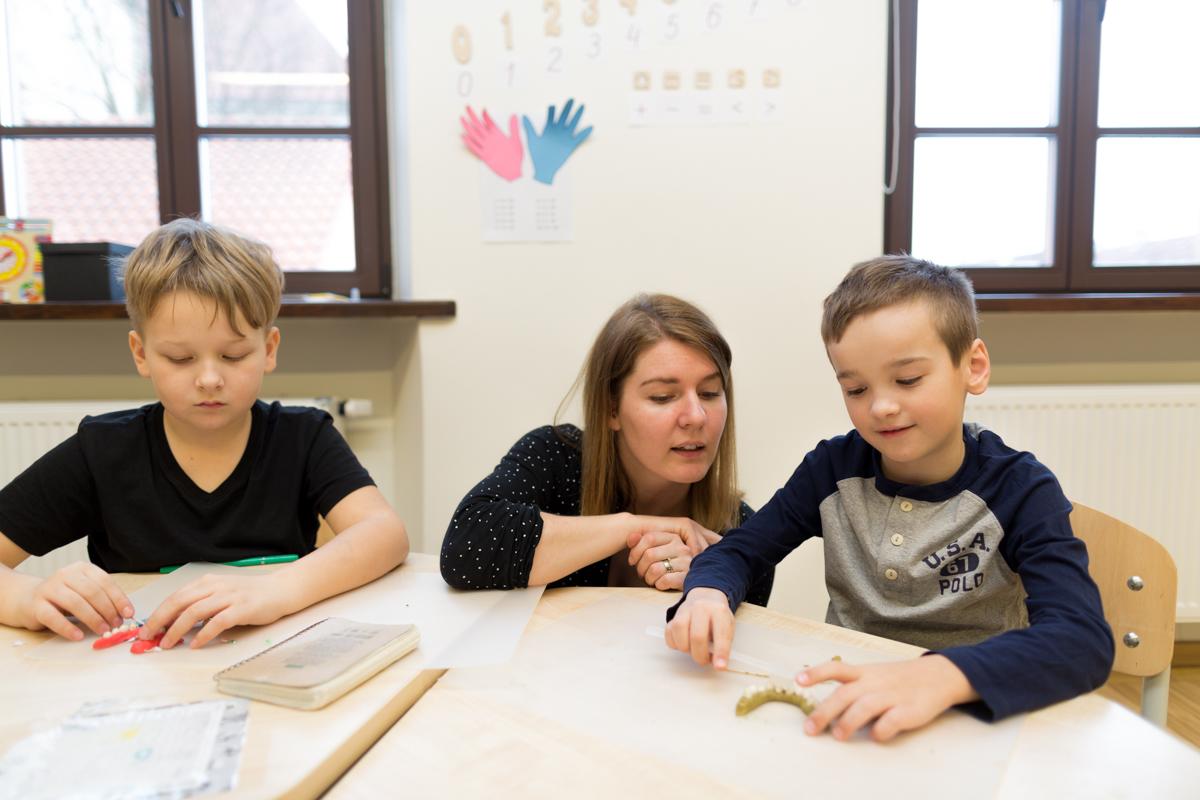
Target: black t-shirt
{"type": "Point", "coordinates": [116, 482]}
{"type": "Point", "coordinates": [497, 526]}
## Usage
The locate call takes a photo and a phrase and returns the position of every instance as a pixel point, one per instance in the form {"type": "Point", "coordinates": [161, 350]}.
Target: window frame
{"type": "Point", "coordinates": [1076, 133]}
{"type": "Point", "coordinates": [177, 138]}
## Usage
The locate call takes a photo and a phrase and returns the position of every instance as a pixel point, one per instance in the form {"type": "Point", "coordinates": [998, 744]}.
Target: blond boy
{"type": "Point", "coordinates": [935, 532]}
{"type": "Point", "coordinates": [208, 473]}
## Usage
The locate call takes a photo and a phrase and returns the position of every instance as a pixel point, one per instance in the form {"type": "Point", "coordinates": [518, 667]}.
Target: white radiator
{"type": "Point", "coordinates": [29, 429]}
{"type": "Point", "coordinates": [1131, 451]}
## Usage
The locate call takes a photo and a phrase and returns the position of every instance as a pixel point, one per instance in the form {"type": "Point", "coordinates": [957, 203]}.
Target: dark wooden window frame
{"type": "Point", "coordinates": [177, 139]}
{"type": "Point", "coordinates": [1075, 135]}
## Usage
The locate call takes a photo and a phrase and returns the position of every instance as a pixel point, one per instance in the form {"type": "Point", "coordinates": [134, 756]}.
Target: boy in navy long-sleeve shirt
{"type": "Point", "coordinates": [936, 533]}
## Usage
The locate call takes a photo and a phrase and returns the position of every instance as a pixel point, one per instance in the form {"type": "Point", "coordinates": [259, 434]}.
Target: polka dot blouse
{"type": "Point", "coordinates": [497, 526]}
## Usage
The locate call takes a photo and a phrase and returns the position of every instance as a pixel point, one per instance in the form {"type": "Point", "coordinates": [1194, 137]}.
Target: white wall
{"type": "Point", "coordinates": [755, 224]}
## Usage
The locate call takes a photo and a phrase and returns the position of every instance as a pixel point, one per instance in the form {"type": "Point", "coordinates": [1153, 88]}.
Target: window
{"type": "Point", "coordinates": [1048, 145]}
{"type": "Point", "coordinates": [267, 116]}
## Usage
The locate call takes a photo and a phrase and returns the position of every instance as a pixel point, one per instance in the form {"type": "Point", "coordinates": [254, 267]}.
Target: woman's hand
{"type": "Point", "coordinates": [81, 589]}
{"type": "Point", "coordinates": [220, 602]}
{"type": "Point", "coordinates": [691, 533]}
{"type": "Point", "coordinates": [663, 547]}
{"type": "Point", "coordinates": [662, 559]}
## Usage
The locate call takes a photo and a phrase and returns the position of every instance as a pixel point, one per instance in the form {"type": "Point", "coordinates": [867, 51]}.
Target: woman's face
{"type": "Point", "coordinates": [670, 416]}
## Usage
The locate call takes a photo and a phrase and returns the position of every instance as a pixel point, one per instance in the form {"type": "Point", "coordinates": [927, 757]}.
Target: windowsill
{"type": "Point", "coordinates": [104, 309]}
{"type": "Point", "coordinates": [1088, 301]}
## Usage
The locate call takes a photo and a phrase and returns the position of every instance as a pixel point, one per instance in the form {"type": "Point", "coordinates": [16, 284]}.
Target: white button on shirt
{"type": "Point", "coordinates": [897, 539]}
{"type": "Point", "coordinates": [891, 574]}
{"type": "Point", "coordinates": [905, 505]}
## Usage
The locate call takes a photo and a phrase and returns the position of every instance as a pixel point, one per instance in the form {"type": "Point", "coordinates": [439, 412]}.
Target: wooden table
{"type": "Point", "coordinates": [467, 737]}
{"type": "Point", "coordinates": [287, 752]}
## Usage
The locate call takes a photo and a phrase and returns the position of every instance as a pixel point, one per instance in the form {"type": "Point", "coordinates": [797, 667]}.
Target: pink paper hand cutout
{"type": "Point", "coordinates": [501, 153]}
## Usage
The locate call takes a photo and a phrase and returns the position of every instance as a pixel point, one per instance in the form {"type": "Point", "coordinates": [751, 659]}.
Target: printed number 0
{"type": "Point", "coordinates": [460, 44]}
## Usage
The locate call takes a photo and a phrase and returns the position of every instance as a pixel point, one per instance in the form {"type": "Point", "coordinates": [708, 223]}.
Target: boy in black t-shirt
{"type": "Point", "coordinates": [209, 473]}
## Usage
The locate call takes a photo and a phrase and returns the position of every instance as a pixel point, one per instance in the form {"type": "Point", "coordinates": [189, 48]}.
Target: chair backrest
{"type": "Point", "coordinates": [1137, 578]}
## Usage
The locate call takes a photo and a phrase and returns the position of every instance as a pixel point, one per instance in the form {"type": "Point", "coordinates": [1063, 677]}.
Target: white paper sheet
{"type": "Point", "coordinates": [657, 700]}
{"type": "Point", "coordinates": [525, 210]}
{"type": "Point", "coordinates": [458, 629]}
{"type": "Point", "coordinates": [173, 751]}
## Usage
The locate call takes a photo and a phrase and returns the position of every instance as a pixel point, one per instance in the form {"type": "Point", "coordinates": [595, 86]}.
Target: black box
{"type": "Point", "coordinates": [83, 270]}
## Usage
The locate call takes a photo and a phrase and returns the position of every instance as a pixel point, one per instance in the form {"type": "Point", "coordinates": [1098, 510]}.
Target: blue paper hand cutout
{"type": "Point", "coordinates": [550, 150]}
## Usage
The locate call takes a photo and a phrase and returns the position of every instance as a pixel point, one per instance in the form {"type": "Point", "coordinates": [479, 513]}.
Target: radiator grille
{"type": "Point", "coordinates": [1131, 451]}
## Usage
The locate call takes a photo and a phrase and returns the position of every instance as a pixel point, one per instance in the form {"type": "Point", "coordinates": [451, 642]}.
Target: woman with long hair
{"type": "Point", "coordinates": [648, 483]}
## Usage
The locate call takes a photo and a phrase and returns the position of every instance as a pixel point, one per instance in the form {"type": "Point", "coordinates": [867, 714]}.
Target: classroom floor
{"type": "Point", "coordinates": [1183, 706]}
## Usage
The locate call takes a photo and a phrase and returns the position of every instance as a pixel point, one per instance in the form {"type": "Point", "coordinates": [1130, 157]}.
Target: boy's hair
{"type": "Point", "coordinates": [187, 255]}
{"type": "Point", "coordinates": [645, 320]}
{"type": "Point", "coordinates": [895, 279]}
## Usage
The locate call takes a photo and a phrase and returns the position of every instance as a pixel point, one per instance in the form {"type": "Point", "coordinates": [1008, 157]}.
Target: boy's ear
{"type": "Point", "coordinates": [978, 366]}
{"type": "Point", "coordinates": [272, 348]}
{"type": "Point", "coordinates": [138, 348]}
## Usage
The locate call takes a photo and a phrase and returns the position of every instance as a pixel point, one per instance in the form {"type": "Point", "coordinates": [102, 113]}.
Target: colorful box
{"type": "Point", "coordinates": [21, 259]}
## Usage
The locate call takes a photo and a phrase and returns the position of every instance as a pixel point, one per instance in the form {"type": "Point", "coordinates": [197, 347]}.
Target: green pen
{"type": "Point", "coordinates": [245, 562]}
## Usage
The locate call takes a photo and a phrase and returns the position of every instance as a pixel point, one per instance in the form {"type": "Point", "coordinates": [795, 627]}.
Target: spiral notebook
{"type": "Point", "coordinates": [314, 667]}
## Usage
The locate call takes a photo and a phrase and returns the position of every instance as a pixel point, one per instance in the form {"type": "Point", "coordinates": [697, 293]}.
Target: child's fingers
{"type": "Point", "coordinates": [861, 712]}
{"type": "Point", "coordinates": [170, 610]}
{"type": "Point", "coordinates": [54, 620]}
{"type": "Point", "coordinates": [829, 671]}
{"type": "Point", "coordinates": [722, 630]}
{"type": "Point", "coordinates": [187, 619]}
{"type": "Point", "coordinates": [65, 598]}
{"type": "Point", "coordinates": [678, 633]}
{"type": "Point", "coordinates": [215, 627]}
{"type": "Point", "coordinates": [122, 606]}
{"type": "Point", "coordinates": [120, 600]}
{"type": "Point", "coordinates": [892, 722]}
{"type": "Point", "coordinates": [698, 636]}
{"type": "Point", "coordinates": [94, 593]}
{"type": "Point", "coordinates": [831, 708]}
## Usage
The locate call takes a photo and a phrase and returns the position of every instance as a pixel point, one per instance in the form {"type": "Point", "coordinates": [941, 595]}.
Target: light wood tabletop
{"type": "Point", "coordinates": [287, 752]}
{"type": "Point", "coordinates": [565, 719]}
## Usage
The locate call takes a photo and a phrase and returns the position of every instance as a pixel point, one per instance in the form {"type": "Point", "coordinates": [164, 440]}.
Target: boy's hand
{"type": "Point", "coordinates": [898, 696]}
{"type": "Point", "coordinates": [703, 622]}
{"type": "Point", "coordinates": [81, 589]}
{"type": "Point", "coordinates": [221, 602]}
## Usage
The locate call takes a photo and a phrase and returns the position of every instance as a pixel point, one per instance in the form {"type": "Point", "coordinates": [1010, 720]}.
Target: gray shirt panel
{"type": "Point", "coordinates": [927, 573]}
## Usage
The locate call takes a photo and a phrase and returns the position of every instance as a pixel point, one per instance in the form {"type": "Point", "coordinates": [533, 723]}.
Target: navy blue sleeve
{"type": "Point", "coordinates": [492, 536]}
{"type": "Point", "coordinates": [759, 592]}
{"type": "Point", "coordinates": [783, 524]}
{"type": "Point", "coordinates": [1067, 650]}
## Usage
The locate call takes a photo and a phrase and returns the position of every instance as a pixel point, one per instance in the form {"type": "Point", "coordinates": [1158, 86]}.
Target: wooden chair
{"type": "Point", "coordinates": [1136, 576]}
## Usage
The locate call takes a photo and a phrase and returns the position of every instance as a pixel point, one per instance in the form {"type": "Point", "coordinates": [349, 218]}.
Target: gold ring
{"type": "Point", "coordinates": [667, 565]}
